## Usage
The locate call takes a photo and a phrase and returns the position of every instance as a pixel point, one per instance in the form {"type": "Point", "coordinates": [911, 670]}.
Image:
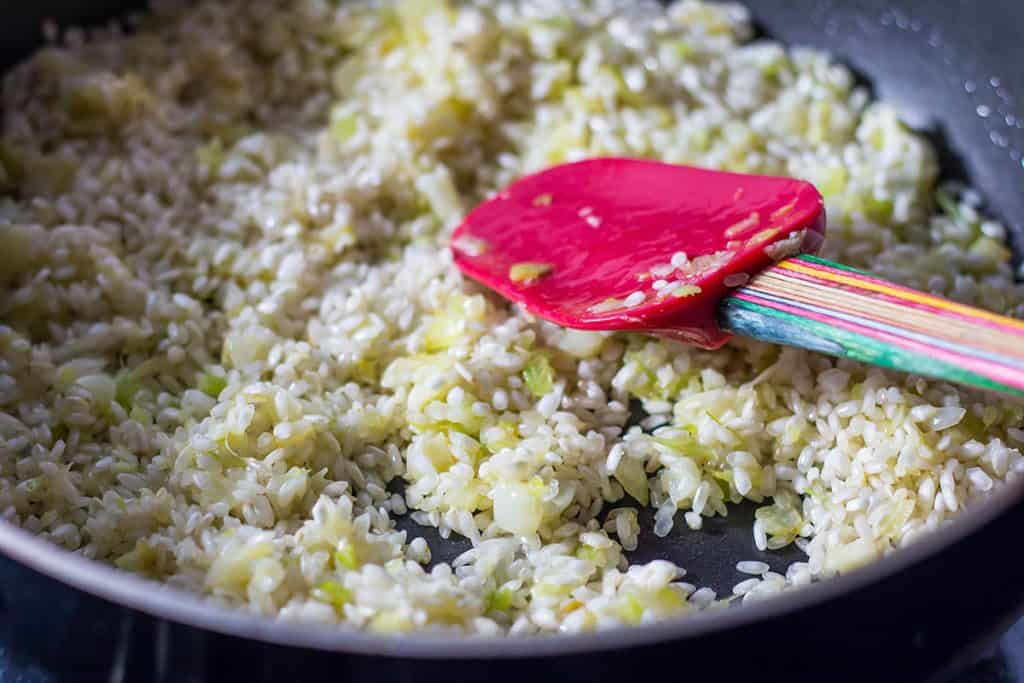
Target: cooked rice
{"type": "Point", "coordinates": [231, 323]}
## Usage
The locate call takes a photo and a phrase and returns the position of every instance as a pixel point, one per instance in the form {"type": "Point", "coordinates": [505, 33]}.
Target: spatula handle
{"type": "Point", "coordinates": [815, 304]}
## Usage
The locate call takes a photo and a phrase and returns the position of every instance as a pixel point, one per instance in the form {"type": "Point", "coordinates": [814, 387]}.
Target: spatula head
{"type": "Point", "coordinates": [626, 244]}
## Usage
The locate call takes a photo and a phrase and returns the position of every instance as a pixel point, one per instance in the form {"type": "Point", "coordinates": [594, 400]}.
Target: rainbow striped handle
{"type": "Point", "coordinates": [815, 304]}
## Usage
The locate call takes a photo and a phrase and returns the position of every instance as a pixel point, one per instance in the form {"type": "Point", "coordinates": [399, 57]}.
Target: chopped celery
{"type": "Point", "coordinates": [500, 436]}
{"type": "Point", "coordinates": [344, 127]}
{"type": "Point", "coordinates": [561, 23]}
{"type": "Point", "coordinates": [782, 519]}
{"type": "Point", "coordinates": [449, 325]}
{"type": "Point", "coordinates": [846, 556]}
{"type": "Point", "coordinates": [333, 593]}
{"type": "Point", "coordinates": [819, 123]}
{"type": "Point", "coordinates": [682, 441]}
{"type": "Point", "coordinates": [833, 181]}
{"type": "Point", "coordinates": [893, 522]}
{"type": "Point", "coordinates": [700, 138]}
{"type": "Point", "coordinates": [518, 507]}
{"type": "Point", "coordinates": [949, 206]}
{"type": "Point", "coordinates": [49, 174]}
{"type": "Point", "coordinates": [990, 250]}
{"type": "Point", "coordinates": [630, 609]}
{"type": "Point", "coordinates": [669, 599]}
{"type": "Point", "coordinates": [21, 247]}
{"type": "Point", "coordinates": [210, 156]}
{"type": "Point", "coordinates": [771, 68]}
{"type": "Point", "coordinates": [227, 459]}
{"type": "Point", "coordinates": [412, 15]}
{"type": "Point", "coordinates": [345, 556]}
{"type": "Point", "coordinates": [545, 589]}
{"type": "Point", "coordinates": [12, 167]}
{"type": "Point", "coordinates": [989, 415]}
{"type": "Point", "coordinates": [337, 236]}
{"type": "Point", "coordinates": [96, 103]}
{"type": "Point", "coordinates": [101, 387]}
{"type": "Point", "coordinates": [233, 568]}
{"type": "Point", "coordinates": [139, 559]}
{"type": "Point", "coordinates": [593, 555]}
{"type": "Point", "coordinates": [630, 473]}
{"type": "Point", "coordinates": [878, 209]}
{"type": "Point", "coordinates": [347, 74]}
{"type": "Point", "coordinates": [211, 384]}
{"type": "Point", "coordinates": [437, 188]}
{"type": "Point", "coordinates": [141, 416]}
{"type": "Point", "coordinates": [538, 375]}
{"type": "Point", "coordinates": [682, 49]}
{"type": "Point", "coordinates": [527, 270]}
{"type": "Point", "coordinates": [499, 600]}
{"type": "Point", "coordinates": [724, 479]}
{"type": "Point", "coordinates": [389, 622]}
{"type": "Point", "coordinates": [126, 386]}
{"type": "Point", "coordinates": [444, 332]}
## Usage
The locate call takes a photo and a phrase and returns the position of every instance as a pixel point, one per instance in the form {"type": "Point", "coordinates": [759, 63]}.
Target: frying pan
{"type": "Point", "coordinates": [918, 614]}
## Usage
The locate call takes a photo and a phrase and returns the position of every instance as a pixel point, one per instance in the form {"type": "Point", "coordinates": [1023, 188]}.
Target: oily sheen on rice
{"type": "Point", "coordinates": [229, 322]}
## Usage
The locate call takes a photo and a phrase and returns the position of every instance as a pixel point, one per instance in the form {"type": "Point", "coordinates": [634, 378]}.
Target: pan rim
{"type": "Point", "coordinates": [183, 607]}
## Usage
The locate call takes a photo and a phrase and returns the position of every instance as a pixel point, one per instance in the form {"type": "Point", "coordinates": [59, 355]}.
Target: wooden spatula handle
{"type": "Point", "coordinates": [815, 304]}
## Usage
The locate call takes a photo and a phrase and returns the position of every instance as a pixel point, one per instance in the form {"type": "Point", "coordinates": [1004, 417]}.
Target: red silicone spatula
{"type": "Point", "coordinates": [695, 255]}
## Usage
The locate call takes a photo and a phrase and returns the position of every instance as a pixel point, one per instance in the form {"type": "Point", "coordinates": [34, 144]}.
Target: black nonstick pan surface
{"type": "Point", "coordinates": [954, 70]}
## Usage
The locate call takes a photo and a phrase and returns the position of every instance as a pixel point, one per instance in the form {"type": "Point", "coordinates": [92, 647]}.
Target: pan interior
{"type": "Point", "coordinates": [911, 58]}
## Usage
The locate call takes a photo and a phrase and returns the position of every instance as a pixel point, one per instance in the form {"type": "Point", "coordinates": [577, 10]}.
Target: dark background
{"type": "Point", "coordinates": [50, 633]}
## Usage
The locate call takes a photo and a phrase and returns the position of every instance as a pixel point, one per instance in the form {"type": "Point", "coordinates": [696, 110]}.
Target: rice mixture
{"type": "Point", "coordinates": [230, 325]}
